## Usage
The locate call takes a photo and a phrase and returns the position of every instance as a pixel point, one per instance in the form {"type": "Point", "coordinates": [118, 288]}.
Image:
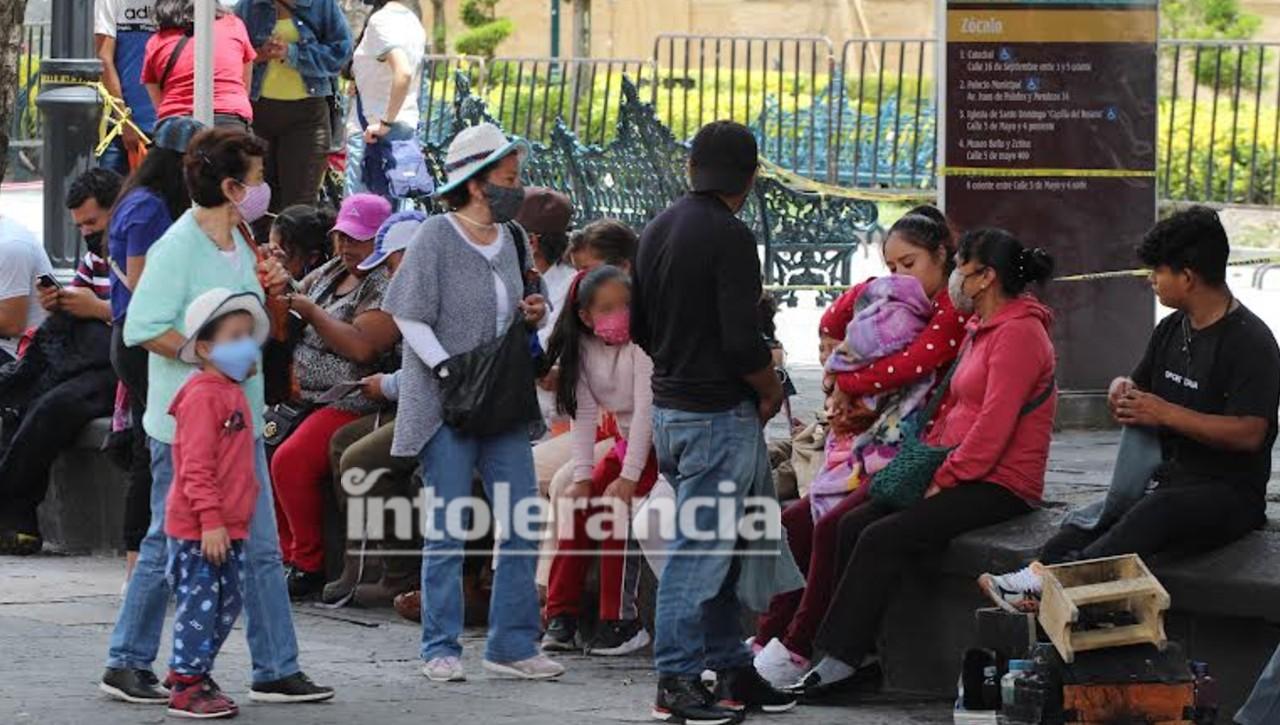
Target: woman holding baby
{"type": "Point", "coordinates": [907, 335]}
{"type": "Point", "coordinates": [996, 419]}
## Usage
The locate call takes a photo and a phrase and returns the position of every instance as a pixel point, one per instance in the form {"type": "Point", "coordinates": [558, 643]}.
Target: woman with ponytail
{"type": "Point", "coordinates": [996, 419]}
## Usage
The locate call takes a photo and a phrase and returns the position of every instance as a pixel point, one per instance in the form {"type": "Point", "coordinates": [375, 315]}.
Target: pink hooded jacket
{"type": "Point", "coordinates": [1007, 363]}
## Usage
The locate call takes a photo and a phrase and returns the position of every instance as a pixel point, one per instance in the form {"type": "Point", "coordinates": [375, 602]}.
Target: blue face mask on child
{"type": "Point", "coordinates": [235, 358]}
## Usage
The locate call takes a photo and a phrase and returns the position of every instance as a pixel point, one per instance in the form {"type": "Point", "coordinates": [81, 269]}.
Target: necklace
{"type": "Point", "coordinates": [473, 222]}
{"type": "Point", "coordinates": [1188, 333]}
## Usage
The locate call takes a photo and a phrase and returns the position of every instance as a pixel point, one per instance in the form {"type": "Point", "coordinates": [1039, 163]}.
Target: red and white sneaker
{"type": "Point", "coordinates": [197, 697]}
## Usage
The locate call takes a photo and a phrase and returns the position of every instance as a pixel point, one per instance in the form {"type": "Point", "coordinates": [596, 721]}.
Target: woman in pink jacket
{"type": "Point", "coordinates": [997, 418]}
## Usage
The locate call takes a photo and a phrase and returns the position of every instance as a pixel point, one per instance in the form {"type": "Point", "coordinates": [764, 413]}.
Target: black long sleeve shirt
{"type": "Point", "coordinates": [694, 307]}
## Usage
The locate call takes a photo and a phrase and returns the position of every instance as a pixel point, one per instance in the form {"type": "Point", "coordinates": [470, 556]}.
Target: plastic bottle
{"type": "Point", "coordinates": [1206, 694]}
{"type": "Point", "coordinates": [1008, 683]}
{"type": "Point", "coordinates": [991, 688]}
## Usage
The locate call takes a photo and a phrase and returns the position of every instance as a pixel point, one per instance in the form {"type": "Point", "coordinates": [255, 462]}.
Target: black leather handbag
{"type": "Point", "coordinates": [281, 420]}
{"type": "Point", "coordinates": [490, 389]}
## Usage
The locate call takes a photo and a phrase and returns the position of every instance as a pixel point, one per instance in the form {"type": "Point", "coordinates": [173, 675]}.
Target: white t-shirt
{"type": "Point", "coordinates": [392, 27]}
{"type": "Point", "coordinates": [22, 259]}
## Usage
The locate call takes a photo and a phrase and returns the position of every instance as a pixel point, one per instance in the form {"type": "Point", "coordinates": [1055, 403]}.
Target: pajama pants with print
{"type": "Point", "coordinates": [208, 602]}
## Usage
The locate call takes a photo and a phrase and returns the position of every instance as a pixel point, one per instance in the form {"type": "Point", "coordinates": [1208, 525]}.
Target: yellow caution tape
{"type": "Point", "coordinates": [115, 116]}
{"type": "Point", "coordinates": [1041, 173]}
{"type": "Point", "coordinates": [1085, 277]}
{"type": "Point", "coordinates": [804, 184]}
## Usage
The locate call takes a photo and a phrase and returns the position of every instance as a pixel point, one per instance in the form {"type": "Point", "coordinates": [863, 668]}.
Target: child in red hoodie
{"type": "Point", "coordinates": [214, 490]}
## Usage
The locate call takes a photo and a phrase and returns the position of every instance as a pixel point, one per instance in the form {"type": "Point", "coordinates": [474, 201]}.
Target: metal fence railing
{"type": "Point", "coordinates": [778, 85]}
{"type": "Point", "coordinates": [528, 95]}
{"type": "Point", "coordinates": [1219, 122]}
{"type": "Point", "coordinates": [860, 116]}
{"type": "Point", "coordinates": [883, 134]}
{"type": "Point", "coordinates": [35, 41]}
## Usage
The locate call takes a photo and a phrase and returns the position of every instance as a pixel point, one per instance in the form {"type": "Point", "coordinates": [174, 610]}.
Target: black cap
{"type": "Point", "coordinates": [723, 158]}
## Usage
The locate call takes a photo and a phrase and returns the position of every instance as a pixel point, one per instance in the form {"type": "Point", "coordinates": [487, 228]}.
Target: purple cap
{"type": "Point", "coordinates": [361, 215]}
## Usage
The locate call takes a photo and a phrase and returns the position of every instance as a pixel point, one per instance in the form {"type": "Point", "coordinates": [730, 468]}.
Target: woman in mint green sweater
{"type": "Point", "coordinates": [201, 251]}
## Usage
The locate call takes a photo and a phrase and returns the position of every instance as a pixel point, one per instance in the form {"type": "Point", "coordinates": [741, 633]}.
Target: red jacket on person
{"type": "Point", "coordinates": [1007, 364]}
{"type": "Point", "coordinates": [214, 478]}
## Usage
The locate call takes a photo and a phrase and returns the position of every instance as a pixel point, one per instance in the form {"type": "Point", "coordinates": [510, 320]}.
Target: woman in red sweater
{"type": "Point", "coordinates": [169, 65]}
{"type": "Point", "coordinates": [997, 418]}
{"type": "Point", "coordinates": [919, 244]}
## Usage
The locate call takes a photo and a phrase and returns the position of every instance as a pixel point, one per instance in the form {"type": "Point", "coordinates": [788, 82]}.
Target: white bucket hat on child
{"type": "Point", "coordinates": [215, 303]}
{"type": "Point", "coordinates": [475, 148]}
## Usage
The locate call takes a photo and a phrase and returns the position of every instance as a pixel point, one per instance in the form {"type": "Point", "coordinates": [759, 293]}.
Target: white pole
{"type": "Point", "coordinates": [203, 110]}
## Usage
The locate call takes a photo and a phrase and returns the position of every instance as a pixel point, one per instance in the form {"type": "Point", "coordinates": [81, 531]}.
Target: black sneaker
{"type": "Point", "coordinates": [561, 634]}
{"type": "Point", "coordinates": [744, 689]}
{"type": "Point", "coordinates": [686, 700]}
{"type": "Point", "coordinates": [303, 584]}
{"type": "Point", "coordinates": [618, 637]}
{"type": "Point", "coordinates": [294, 688]}
{"type": "Point", "coordinates": [140, 687]}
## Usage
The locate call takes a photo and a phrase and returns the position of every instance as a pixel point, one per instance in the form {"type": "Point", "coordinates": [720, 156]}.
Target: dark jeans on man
{"type": "Point", "coordinates": [297, 136]}
{"type": "Point", "coordinates": [49, 425]}
{"type": "Point", "coordinates": [876, 545]}
{"type": "Point", "coordinates": [1183, 519]}
{"type": "Point", "coordinates": [130, 364]}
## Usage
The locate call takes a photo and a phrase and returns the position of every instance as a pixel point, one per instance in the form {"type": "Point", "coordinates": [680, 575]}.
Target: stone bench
{"type": "Point", "coordinates": [1226, 606]}
{"type": "Point", "coordinates": [83, 511]}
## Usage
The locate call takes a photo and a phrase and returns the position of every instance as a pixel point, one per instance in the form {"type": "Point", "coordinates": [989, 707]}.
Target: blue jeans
{"type": "Point", "coordinates": [273, 647]}
{"type": "Point", "coordinates": [698, 620]}
{"type": "Point", "coordinates": [448, 462]}
{"type": "Point", "coordinates": [355, 159]}
{"type": "Point", "coordinates": [1263, 705]}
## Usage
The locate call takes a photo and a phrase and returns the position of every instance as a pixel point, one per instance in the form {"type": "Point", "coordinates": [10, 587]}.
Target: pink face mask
{"type": "Point", "coordinates": [614, 328]}
{"type": "Point", "coordinates": [256, 201]}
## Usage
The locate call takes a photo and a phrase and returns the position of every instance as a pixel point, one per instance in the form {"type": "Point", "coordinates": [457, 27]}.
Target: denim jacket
{"type": "Point", "coordinates": [318, 59]}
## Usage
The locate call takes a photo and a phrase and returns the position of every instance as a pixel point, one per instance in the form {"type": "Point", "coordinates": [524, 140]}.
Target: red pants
{"type": "Point", "coordinates": [300, 471]}
{"type": "Point", "coordinates": [620, 558]}
{"type": "Point", "coordinates": [794, 616]}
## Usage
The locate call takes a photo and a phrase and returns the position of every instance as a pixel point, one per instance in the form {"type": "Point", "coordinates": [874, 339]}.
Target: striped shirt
{"type": "Point", "coordinates": [93, 272]}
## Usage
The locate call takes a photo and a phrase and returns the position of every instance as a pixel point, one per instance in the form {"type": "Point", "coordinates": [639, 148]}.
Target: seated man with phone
{"type": "Point", "coordinates": [63, 379]}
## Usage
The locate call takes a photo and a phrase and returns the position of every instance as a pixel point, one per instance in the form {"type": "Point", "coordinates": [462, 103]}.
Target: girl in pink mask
{"type": "Point", "coordinates": [601, 370]}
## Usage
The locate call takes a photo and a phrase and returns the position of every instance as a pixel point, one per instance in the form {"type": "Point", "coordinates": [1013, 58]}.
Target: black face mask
{"type": "Point", "coordinates": [94, 242]}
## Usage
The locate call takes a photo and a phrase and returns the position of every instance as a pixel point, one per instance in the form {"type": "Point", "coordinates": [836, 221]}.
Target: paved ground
{"type": "Point", "coordinates": [56, 613]}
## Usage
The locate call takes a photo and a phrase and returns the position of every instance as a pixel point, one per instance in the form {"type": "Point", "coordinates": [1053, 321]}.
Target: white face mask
{"type": "Point", "coordinates": [963, 301]}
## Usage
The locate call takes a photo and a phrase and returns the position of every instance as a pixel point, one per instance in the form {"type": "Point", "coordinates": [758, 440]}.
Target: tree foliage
{"type": "Point", "coordinates": [1214, 20]}
{"type": "Point", "coordinates": [485, 30]}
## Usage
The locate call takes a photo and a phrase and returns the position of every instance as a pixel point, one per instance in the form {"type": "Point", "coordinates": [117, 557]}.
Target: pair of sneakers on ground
{"type": "Point", "coordinates": [538, 667]}
{"type": "Point", "coordinates": [613, 638]}
{"type": "Point", "coordinates": [198, 696]}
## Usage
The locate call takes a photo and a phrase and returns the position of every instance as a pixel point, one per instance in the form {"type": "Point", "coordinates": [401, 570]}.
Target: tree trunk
{"type": "Point", "coordinates": [439, 28]}
{"type": "Point", "coordinates": [581, 28]}
{"type": "Point", "coordinates": [11, 14]}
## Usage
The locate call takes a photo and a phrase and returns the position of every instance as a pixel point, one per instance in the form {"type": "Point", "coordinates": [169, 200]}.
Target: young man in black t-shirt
{"type": "Point", "coordinates": [1208, 387]}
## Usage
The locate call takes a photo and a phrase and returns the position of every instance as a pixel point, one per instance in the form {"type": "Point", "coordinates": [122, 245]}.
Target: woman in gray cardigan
{"type": "Point", "coordinates": [459, 286]}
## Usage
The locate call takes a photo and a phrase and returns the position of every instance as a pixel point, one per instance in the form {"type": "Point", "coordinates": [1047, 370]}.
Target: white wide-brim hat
{"type": "Point", "coordinates": [475, 148]}
{"type": "Point", "coordinates": [215, 303]}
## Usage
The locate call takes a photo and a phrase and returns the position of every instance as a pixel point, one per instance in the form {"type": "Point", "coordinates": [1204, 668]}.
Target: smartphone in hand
{"type": "Point", "coordinates": [47, 281]}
